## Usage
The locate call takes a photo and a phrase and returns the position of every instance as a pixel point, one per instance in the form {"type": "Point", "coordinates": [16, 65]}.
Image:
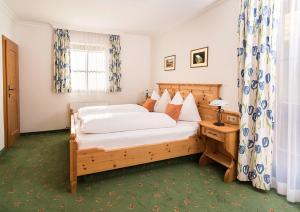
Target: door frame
{"type": "Point", "coordinates": [5, 110]}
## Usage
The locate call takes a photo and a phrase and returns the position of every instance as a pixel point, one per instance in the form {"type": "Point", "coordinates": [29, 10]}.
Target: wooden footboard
{"type": "Point", "coordinates": [97, 160]}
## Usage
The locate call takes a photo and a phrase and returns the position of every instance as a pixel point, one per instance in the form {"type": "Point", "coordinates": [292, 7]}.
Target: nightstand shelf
{"type": "Point", "coordinates": [220, 158]}
{"type": "Point", "coordinates": [221, 145]}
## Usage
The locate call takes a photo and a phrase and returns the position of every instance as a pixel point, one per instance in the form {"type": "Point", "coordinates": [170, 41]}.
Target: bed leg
{"type": "Point", "coordinates": [73, 185]}
{"type": "Point", "coordinates": [73, 165]}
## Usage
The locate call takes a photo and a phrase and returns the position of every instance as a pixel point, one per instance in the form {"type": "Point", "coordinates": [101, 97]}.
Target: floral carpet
{"type": "Point", "coordinates": [34, 177]}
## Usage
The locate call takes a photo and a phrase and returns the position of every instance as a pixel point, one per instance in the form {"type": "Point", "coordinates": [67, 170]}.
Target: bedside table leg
{"type": "Point", "coordinates": [204, 160]}
{"type": "Point", "coordinates": [230, 174]}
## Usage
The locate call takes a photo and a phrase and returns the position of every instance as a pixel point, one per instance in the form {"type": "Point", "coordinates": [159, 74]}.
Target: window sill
{"type": "Point", "coordinates": [89, 92]}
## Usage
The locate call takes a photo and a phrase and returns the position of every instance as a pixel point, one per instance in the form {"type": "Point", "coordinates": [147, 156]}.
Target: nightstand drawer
{"type": "Point", "coordinates": [214, 134]}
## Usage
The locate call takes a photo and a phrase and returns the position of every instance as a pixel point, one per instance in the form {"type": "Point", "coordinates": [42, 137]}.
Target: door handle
{"type": "Point", "coordinates": [10, 89]}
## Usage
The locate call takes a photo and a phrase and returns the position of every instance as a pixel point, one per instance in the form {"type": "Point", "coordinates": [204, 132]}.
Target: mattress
{"type": "Point", "coordinates": [126, 139]}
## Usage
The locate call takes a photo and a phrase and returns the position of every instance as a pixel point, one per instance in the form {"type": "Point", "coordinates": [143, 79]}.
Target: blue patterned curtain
{"type": "Point", "coordinates": [115, 64]}
{"type": "Point", "coordinates": [256, 77]}
{"type": "Point", "coordinates": [62, 71]}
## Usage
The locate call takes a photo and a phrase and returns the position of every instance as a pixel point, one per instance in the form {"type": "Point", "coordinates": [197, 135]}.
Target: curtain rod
{"type": "Point", "coordinates": [83, 29]}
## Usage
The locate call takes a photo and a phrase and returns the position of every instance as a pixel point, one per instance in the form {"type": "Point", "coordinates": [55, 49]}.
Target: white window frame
{"type": "Point", "coordinates": [87, 71]}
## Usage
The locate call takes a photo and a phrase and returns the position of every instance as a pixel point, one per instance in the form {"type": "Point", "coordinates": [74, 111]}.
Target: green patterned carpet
{"type": "Point", "coordinates": [34, 177]}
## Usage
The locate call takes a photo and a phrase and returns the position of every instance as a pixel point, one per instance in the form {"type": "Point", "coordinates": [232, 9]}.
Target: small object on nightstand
{"type": "Point", "coordinates": [219, 103]}
{"type": "Point", "coordinates": [221, 145]}
{"type": "Point", "coordinates": [147, 94]}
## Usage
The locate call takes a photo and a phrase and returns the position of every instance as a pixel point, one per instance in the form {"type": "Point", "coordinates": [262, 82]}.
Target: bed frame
{"type": "Point", "coordinates": [93, 160]}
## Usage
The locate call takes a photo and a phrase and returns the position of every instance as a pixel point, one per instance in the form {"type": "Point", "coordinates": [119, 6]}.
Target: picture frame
{"type": "Point", "coordinates": [170, 63]}
{"type": "Point", "coordinates": [199, 57]}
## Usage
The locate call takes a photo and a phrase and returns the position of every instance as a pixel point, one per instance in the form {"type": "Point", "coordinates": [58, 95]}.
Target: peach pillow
{"type": "Point", "coordinates": [173, 111]}
{"type": "Point", "coordinates": [149, 104]}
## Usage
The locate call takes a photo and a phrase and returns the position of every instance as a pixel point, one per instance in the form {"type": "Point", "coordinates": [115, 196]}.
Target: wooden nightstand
{"type": "Point", "coordinates": [221, 145]}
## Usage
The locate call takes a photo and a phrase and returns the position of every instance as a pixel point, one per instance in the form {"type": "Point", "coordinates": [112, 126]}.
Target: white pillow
{"type": "Point", "coordinates": [124, 108]}
{"type": "Point", "coordinates": [119, 122]}
{"type": "Point", "coordinates": [161, 104]}
{"type": "Point", "coordinates": [189, 110]}
{"type": "Point", "coordinates": [177, 99]}
{"type": "Point", "coordinates": [155, 96]}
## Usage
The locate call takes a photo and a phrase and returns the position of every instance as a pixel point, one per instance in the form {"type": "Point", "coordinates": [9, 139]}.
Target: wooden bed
{"type": "Point", "coordinates": [93, 160]}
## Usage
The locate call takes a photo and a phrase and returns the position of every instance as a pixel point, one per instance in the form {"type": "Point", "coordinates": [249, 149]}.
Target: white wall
{"type": "Point", "coordinates": [142, 65]}
{"type": "Point", "coordinates": [6, 29]}
{"type": "Point", "coordinates": [216, 28]}
{"type": "Point", "coordinates": [43, 110]}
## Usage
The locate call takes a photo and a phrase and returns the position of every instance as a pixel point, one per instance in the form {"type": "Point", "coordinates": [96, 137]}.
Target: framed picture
{"type": "Point", "coordinates": [170, 63]}
{"type": "Point", "coordinates": [199, 57]}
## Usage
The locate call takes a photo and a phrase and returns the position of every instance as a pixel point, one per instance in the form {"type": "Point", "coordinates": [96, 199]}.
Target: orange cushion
{"type": "Point", "coordinates": [173, 111]}
{"type": "Point", "coordinates": [149, 104]}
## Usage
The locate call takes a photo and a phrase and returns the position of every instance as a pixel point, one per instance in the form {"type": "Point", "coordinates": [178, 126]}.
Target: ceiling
{"type": "Point", "coordinates": [132, 16]}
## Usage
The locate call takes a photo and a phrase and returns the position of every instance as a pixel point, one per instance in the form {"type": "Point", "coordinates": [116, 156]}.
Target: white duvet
{"type": "Point", "coordinates": [118, 122]}
{"type": "Point", "coordinates": [125, 108]}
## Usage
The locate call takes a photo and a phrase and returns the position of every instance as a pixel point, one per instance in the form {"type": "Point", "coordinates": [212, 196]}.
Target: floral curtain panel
{"type": "Point", "coordinates": [256, 76]}
{"type": "Point", "coordinates": [62, 72]}
{"type": "Point", "coordinates": [115, 64]}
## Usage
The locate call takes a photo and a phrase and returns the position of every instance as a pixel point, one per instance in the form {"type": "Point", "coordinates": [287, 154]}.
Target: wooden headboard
{"type": "Point", "coordinates": [203, 94]}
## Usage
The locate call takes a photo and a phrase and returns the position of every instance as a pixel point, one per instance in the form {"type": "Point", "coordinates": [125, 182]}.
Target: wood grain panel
{"type": "Point", "coordinates": [203, 94]}
{"type": "Point", "coordinates": [97, 161]}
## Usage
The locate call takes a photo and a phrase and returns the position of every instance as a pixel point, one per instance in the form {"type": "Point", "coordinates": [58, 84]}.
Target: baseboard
{"type": "Point", "coordinates": [45, 132]}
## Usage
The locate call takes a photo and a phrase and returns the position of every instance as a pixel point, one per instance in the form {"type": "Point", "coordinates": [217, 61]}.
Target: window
{"type": "Point", "coordinates": [88, 70]}
{"type": "Point", "coordinates": [89, 61]}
